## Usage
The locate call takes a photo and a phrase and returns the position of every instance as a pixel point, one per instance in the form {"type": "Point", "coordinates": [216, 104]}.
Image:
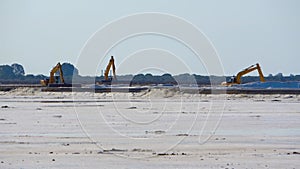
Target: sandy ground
{"type": "Point", "coordinates": [156, 129]}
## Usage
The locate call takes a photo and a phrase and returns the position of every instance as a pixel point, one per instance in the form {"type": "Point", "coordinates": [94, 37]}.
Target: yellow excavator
{"type": "Point", "coordinates": [111, 64]}
{"type": "Point", "coordinates": [237, 79]}
{"type": "Point", "coordinates": [53, 80]}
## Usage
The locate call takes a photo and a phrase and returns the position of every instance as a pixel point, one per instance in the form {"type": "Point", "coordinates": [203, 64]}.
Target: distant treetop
{"type": "Point", "coordinates": [13, 71]}
{"type": "Point", "coordinates": [69, 69]}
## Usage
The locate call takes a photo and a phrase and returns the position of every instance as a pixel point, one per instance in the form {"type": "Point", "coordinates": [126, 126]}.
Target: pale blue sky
{"type": "Point", "coordinates": [39, 33]}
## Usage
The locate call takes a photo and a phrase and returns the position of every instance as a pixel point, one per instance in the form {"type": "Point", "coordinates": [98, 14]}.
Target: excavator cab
{"type": "Point", "coordinates": [56, 79]}
{"type": "Point", "coordinates": [106, 82]}
{"type": "Point", "coordinates": [232, 80]}
{"type": "Point", "coordinates": [44, 82]}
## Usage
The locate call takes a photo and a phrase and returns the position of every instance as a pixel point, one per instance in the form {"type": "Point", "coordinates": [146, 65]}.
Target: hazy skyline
{"type": "Point", "coordinates": [38, 34]}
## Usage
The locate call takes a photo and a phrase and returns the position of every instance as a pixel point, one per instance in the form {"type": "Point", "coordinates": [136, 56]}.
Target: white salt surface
{"type": "Point", "coordinates": [156, 129]}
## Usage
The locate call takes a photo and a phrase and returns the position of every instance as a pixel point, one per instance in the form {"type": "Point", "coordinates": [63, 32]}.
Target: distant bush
{"type": "Point", "coordinates": [69, 70]}
{"type": "Point", "coordinates": [11, 72]}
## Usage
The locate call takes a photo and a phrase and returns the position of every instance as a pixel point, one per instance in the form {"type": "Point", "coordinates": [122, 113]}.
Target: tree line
{"type": "Point", "coordinates": [15, 74]}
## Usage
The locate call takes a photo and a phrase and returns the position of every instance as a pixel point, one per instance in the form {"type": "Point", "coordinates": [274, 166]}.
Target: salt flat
{"type": "Point", "coordinates": [152, 129]}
